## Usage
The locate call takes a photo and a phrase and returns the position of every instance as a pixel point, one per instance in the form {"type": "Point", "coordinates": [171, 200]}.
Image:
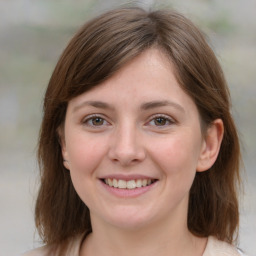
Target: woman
{"type": "Point", "coordinates": [138, 152]}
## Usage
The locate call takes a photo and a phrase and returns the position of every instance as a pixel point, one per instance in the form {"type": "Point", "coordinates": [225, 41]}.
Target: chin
{"type": "Point", "coordinates": [130, 220]}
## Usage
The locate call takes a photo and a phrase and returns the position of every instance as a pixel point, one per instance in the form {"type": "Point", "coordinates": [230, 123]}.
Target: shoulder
{"type": "Point", "coordinates": [72, 247]}
{"type": "Point", "coordinates": [41, 251]}
{"type": "Point", "coordinates": [241, 253]}
{"type": "Point", "coordinates": [216, 247]}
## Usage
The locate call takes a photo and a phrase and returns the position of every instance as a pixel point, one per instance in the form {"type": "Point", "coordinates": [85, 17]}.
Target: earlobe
{"type": "Point", "coordinates": [66, 164]}
{"type": "Point", "coordinates": [63, 147]}
{"type": "Point", "coordinates": [211, 145]}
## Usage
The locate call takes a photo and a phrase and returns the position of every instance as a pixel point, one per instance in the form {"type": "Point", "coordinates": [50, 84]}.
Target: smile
{"type": "Point", "coordinates": [129, 184]}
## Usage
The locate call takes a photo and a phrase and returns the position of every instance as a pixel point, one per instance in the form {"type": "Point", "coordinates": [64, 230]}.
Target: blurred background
{"type": "Point", "coordinates": [33, 33]}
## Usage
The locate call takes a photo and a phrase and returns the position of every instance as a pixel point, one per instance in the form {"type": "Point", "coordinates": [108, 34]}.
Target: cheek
{"type": "Point", "coordinates": [178, 156]}
{"type": "Point", "coordinates": [84, 154]}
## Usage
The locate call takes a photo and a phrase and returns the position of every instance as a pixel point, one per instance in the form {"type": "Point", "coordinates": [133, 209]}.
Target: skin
{"type": "Point", "coordinates": [117, 129]}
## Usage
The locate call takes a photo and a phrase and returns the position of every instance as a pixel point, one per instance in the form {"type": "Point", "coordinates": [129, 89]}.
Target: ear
{"type": "Point", "coordinates": [62, 142]}
{"type": "Point", "coordinates": [211, 145]}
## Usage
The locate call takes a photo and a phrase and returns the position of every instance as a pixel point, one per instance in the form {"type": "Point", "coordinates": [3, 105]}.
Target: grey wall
{"type": "Point", "coordinates": [32, 36]}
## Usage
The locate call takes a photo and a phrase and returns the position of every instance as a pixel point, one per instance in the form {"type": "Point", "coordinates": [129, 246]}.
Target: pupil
{"type": "Point", "coordinates": [160, 121]}
{"type": "Point", "coordinates": [97, 121]}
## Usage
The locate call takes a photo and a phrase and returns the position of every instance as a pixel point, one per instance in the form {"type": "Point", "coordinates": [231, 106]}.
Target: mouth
{"type": "Point", "coordinates": [129, 184]}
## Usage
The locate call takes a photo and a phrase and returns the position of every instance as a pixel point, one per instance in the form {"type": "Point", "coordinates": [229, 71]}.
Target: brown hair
{"type": "Point", "coordinates": [99, 49]}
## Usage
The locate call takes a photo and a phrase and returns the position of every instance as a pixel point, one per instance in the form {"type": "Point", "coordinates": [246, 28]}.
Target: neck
{"type": "Point", "coordinates": [158, 239]}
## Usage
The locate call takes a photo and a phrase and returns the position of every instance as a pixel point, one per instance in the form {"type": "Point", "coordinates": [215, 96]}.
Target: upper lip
{"type": "Point", "coordinates": [127, 177]}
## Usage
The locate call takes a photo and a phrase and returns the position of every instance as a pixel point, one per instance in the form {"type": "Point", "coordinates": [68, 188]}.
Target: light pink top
{"type": "Point", "coordinates": [214, 247]}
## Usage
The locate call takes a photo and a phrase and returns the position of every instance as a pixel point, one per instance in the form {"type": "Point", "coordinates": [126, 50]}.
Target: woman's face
{"type": "Point", "coordinates": [133, 145]}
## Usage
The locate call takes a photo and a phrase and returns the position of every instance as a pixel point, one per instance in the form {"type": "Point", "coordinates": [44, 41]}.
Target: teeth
{"type": "Point", "coordinates": [144, 183]}
{"type": "Point", "coordinates": [121, 184]}
{"type": "Point", "coordinates": [131, 184]}
{"type": "Point", "coordinates": [139, 184]}
{"type": "Point", "coordinates": [115, 183]}
{"type": "Point", "coordinates": [109, 182]}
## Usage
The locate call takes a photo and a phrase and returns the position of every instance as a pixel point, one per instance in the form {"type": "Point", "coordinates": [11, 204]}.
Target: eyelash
{"type": "Point", "coordinates": [166, 118]}
{"type": "Point", "coordinates": [89, 119]}
{"type": "Point", "coordinates": [167, 121]}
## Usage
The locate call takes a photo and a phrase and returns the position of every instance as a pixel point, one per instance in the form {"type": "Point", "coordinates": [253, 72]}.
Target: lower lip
{"type": "Point", "coordinates": [128, 192]}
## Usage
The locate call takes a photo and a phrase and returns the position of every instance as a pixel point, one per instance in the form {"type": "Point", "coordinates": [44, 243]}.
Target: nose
{"type": "Point", "coordinates": [126, 146]}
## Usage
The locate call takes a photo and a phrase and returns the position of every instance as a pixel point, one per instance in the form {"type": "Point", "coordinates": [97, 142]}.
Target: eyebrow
{"type": "Point", "coordinates": [156, 104]}
{"type": "Point", "coordinates": [144, 106]}
{"type": "Point", "coordinates": [96, 104]}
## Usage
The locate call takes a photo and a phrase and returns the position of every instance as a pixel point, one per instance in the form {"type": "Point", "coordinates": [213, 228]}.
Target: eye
{"type": "Point", "coordinates": [95, 121]}
{"type": "Point", "coordinates": [161, 121]}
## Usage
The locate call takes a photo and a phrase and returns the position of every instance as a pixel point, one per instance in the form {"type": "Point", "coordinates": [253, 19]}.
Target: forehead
{"type": "Point", "coordinates": [148, 77]}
